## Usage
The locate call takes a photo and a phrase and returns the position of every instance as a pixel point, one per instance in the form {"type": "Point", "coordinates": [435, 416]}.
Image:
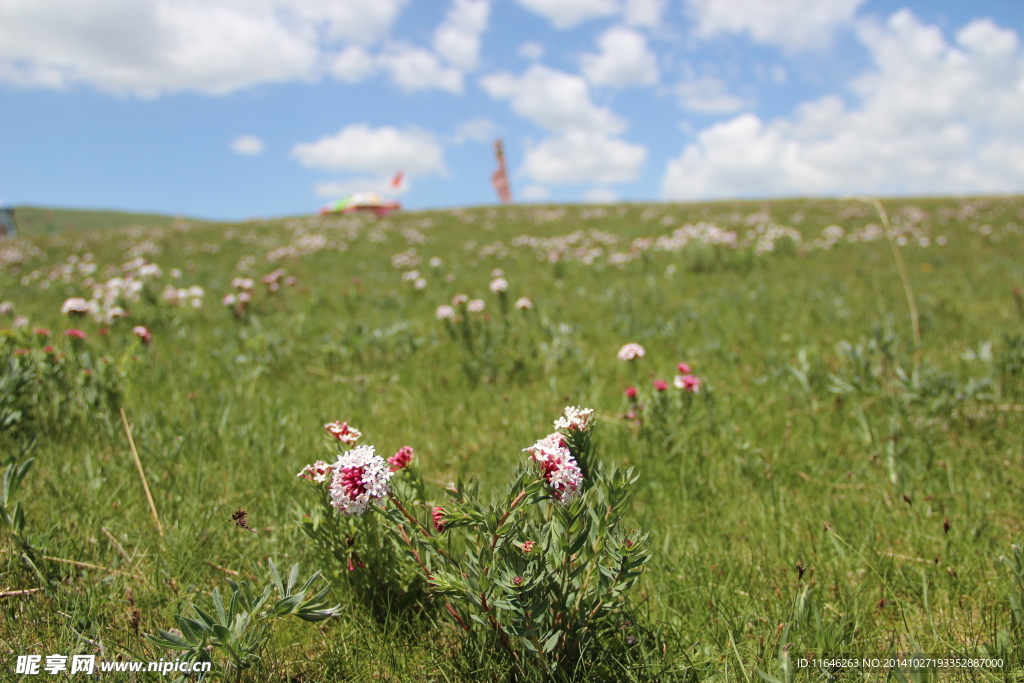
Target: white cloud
{"type": "Point", "coordinates": [531, 50]}
{"type": "Point", "coordinates": [535, 193]}
{"type": "Point", "coordinates": [382, 151]}
{"type": "Point", "coordinates": [353, 64]}
{"type": "Point", "coordinates": [457, 40]}
{"type": "Point", "coordinates": [248, 145]}
{"type": "Point", "coordinates": [567, 13]}
{"type": "Point", "coordinates": [789, 24]}
{"type": "Point", "coordinates": [475, 130]}
{"type": "Point", "coordinates": [645, 13]}
{"type": "Point", "coordinates": [709, 95]}
{"type": "Point", "coordinates": [929, 117]}
{"type": "Point", "coordinates": [553, 99]}
{"type": "Point", "coordinates": [342, 188]}
{"type": "Point", "coordinates": [623, 60]}
{"type": "Point", "coordinates": [578, 157]}
{"type": "Point", "coordinates": [600, 195]}
{"type": "Point", "coordinates": [152, 48]}
{"type": "Point", "coordinates": [413, 68]}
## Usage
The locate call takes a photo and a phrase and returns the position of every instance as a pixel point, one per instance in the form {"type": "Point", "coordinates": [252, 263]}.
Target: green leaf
{"type": "Point", "coordinates": [551, 641]}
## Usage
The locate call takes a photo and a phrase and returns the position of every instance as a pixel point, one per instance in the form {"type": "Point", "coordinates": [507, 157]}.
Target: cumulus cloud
{"type": "Point", "coordinates": [248, 145]}
{"type": "Point", "coordinates": [353, 64]}
{"type": "Point", "coordinates": [413, 68]}
{"type": "Point", "coordinates": [381, 151]}
{"type": "Point", "coordinates": [600, 195]}
{"type": "Point", "coordinates": [709, 95]}
{"type": "Point", "coordinates": [623, 60]}
{"type": "Point", "coordinates": [579, 157]}
{"type": "Point", "coordinates": [475, 130]}
{"type": "Point", "coordinates": [531, 50]}
{"type": "Point", "coordinates": [929, 116]}
{"type": "Point", "coordinates": [553, 99]}
{"type": "Point", "coordinates": [568, 13]}
{"type": "Point", "coordinates": [457, 40]}
{"type": "Point", "coordinates": [789, 24]}
{"type": "Point", "coordinates": [329, 189]}
{"type": "Point", "coordinates": [151, 48]}
{"type": "Point", "coordinates": [645, 13]}
{"type": "Point", "coordinates": [534, 193]}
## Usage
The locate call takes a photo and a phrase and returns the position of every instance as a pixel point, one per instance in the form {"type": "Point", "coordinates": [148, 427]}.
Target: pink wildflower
{"type": "Point", "coordinates": [689, 383]}
{"type": "Point", "coordinates": [498, 285]}
{"type": "Point", "coordinates": [41, 332]}
{"type": "Point", "coordinates": [343, 433]}
{"type": "Point", "coordinates": [523, 303]}
{"type": "Point", "coordinates": [557, 466]}
{"type": "Point", "coordinates": [684, 369]}
{"type": "Point", "coordinates": [438, 515]}
{"type": "Point", "coordinates": [660, 385]}
{"type": "Point", "coordinates": [459, 299]}
{"type": "Point", "coordinates": [528, 546]}
{"type": "Point", "coordinates": [75, 333]}
{"type": "Point", "coordinates": [630, 392]}
{"type": "Point", "coordinates": [475, 306]}
{"type": "Point", "coordinates": [401, 458]}
{"type": "Point", "coordinates": [630, 351]}
{"type": "Point", "coordinates": [444, 312]}
{"type": "Point", "coordinates": [317, 472]}
{"type": "Point", "coordinates": [360, 476]}
{"type": "Point", "coordinates": [143, 333]}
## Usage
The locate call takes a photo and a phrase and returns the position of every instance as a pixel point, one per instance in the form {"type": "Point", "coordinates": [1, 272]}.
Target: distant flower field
{"type": "Point", "coordinates": [714, 442]}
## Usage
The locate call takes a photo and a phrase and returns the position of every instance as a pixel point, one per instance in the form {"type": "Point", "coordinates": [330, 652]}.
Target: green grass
{"type": "Point", "coordinates": [35, 221]}
{"type": "Point", "coordinates": [897, 495]}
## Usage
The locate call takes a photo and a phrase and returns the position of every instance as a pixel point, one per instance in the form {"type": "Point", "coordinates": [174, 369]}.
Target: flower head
{"type": "Point", "coordinates": [475, 306]}
{"type": "Point", "coordinates": [630, 351]}
{"type": "Point", "coordinates": [318, 472]}
{"type": "Point", "coordinates": [360, 477]}
{"type": "Point", "coordinates": [689, 383]}
{"type": "Point", "coordinates": [459, 299]}
{"type": "Point", "coordinates": [557, 466]}
{"type": "Point", "coordinates": [41, 332]}
{"type": "Point", "coordinates": [401, 458]}
{"type": "Point", "coordinates": [438, 515]}
{"type": "Point", "coordinates": [630, 392]}
{"type": "Point", "coordinates": [76, 305]}
{"type": "Point", "coordinates": [575, 419]}
{"type": "Point", "coordinates": [660, 385]}
{"type": "Point", "coordinates": [343, 433]}
{"type": "Point", "coordinates": [6, 308]}
{"type": "Point", "coordinates": [528, 546]}
{"type": "Point", "coordinates": [143, 333]}
{"type": "Point", "coordinates": [684, 369]}
{"type": "Point", "coordinates": [523, 303]}
{"type": "Point", "coordinates": [444, 312]}
{"type": "Point", "coordinates": [498, 284]}
{"type": "Point", "coordinates": [75, 333]}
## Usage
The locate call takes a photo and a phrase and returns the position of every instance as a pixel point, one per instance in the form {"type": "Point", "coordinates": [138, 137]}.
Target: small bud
{"type": "Point", "coordinates": [945, 525]}
{"type": "Point", "coordinates": [517, 581]}
{"type": "Point", "coordinates": [800, 569]}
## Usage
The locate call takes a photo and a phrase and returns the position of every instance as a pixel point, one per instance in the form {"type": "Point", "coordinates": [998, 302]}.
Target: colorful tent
{"type": "Point", "coordinates": [362, 201]}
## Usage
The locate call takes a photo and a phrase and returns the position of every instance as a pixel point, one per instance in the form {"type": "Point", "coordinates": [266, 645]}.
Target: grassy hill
{"type": "Point", "coordinates": [843, 483]}
{"type": "Point", "coordinates": [37, 221]}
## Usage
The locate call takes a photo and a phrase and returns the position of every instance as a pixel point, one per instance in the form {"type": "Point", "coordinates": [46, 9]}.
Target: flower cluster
{"type": "Point", "coordinates": [630, 351]}
{"type": "Point", "coordinates": [401, 458]}
{"type": "Point", "coordinates": [557, 466]}
{"type": "Point", "coordinates": [360, 477]}
{"type": "Point", "coordinates": [319, 472]}
{"type": "Point", "coordinates": [343, 432]}
{"type": "Point", "coordinates": [575, 419]}
{"type": "Point", "coordinates": [191, 296]}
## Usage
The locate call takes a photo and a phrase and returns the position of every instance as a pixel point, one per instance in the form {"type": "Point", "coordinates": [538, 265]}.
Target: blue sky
{"type": "Point", "coordinates": [239, 108]}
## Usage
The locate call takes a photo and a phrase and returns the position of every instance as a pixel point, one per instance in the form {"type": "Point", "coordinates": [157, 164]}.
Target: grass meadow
{"type": "Point", "coordinates": [841, 484]}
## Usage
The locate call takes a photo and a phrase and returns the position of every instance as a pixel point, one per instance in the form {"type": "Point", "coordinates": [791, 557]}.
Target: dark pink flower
{"type": "Point", "coordinates": [343, 433]}
{"type": "Point", "coordinates": [48, 349]}
{"type": "Point", "coordinates": [630, 392]}
{"type": "Point", "coordinates": [144, 334]}
{"type": "Point", "coordinates": [660, 385]}
{"type": "Point", "coordinates": [684, 369]}
{"type": "Point", "coordinates": [401, 458]}
{"type": "Point", "coordinates": [438, 514]}
{"type": "Point", "coordinates": [41, 332]}
{"type": "Point", "coordinates": [689, 383]}
{"type": "Point", "coordinates": [75, 333]}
